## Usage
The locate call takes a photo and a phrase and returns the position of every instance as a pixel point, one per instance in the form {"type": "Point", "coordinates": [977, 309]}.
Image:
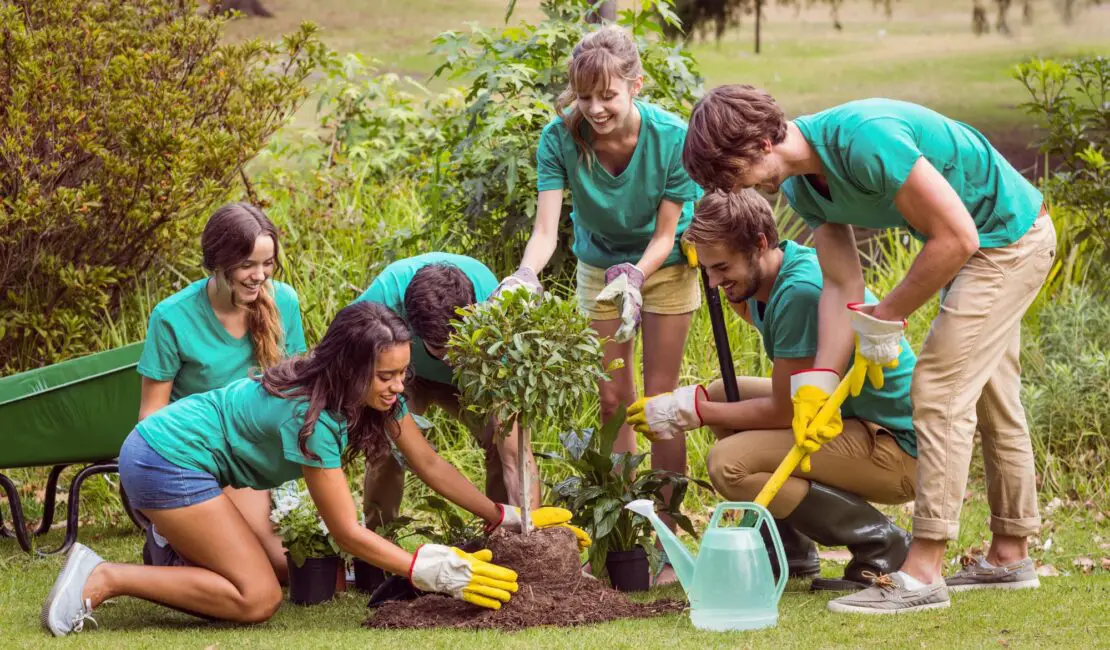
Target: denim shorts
{"type": "Point", "coordinates": [154, 483]}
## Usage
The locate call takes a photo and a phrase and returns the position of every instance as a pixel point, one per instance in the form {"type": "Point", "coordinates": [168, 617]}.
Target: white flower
{"type": "Point", "coordinates": [323, 527]}
{"type": "Point", "coordinates": [288, 503]}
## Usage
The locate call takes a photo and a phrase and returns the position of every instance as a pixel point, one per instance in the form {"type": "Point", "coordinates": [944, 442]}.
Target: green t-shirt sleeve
{"type": "Point", "coordinates": [680, 188]}
{"type": "Point", "coordinates": [794, 329]}
{"type": "Point", "coordinates": [880, 155]}
{"type": "Point", "coordinates": [551, 173]}
{"type": "Point", "coordinates": [327, 440]}
{"type": "Point", "coordinates": [160, 359]}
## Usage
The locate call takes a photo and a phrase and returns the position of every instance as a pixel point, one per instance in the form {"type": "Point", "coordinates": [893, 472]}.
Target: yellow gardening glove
{"type": "Point", "coordinates": [545, 517]}
{"type": "Point", "coordinates": [878, 344]}
{"type": "Point", "coordinates": [467, 576]}
{"type": "Point", "coordinates": [690, 252]}
{"type": "Point", "coordinates": [809, 392]}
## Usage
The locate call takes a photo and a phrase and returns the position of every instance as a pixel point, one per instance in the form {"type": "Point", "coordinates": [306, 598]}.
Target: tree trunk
{"type": "Point", "coordinates": [247, 7]}
{"type": "Point", "coordinates": [525, 479]}
{"type": "Point", "coordinates": [607, 12]}
{"type": "Point", "coordinates": [758, 21]}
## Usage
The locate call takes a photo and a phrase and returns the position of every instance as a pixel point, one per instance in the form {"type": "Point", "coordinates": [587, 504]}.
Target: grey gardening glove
{"type": "Point", "coordinates": [622, 289]}
{"type": "Point", "coordinates": [522, 277]}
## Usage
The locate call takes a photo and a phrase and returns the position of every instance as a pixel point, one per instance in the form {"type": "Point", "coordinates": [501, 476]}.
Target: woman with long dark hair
{"type": "Point", "coordinates": [302, 417]}
{"type": "Point", "coordinates": [213, 332]}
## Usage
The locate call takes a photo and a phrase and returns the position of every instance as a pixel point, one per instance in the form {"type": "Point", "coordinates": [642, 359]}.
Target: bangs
{"type": "Point", "coordinates": [593, 71]}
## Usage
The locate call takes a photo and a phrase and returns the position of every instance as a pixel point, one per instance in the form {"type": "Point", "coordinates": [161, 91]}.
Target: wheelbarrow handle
{"type": "Point", "coordinates": [790, 463]}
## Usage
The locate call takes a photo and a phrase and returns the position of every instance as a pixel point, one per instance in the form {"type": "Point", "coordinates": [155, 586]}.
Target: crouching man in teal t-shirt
{"type": "Point", "coordinates": [988, 246]}
{"type": "Point", "coordinates": [776, 286]}
{"type": "Point", "coordinates": [424, 291]}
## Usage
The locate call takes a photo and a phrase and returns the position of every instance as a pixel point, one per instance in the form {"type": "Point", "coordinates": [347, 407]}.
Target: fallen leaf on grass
{"type": "Point", "coordinates": [1084, 564]}
{"type": "Point", "coordinates": [1055, 503]}
{"type": "Point", "coordinates": [1047, 571]}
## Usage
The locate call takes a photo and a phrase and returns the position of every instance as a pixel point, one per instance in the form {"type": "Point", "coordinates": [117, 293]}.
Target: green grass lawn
{"type": "Point", "coordinates": [1068, 611]}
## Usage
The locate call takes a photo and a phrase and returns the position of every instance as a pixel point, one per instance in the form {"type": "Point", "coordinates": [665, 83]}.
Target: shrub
{"type": "Point", "coordinates": [123, 123]}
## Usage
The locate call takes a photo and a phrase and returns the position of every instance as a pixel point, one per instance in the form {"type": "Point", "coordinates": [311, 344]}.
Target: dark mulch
{"type": "Point", "coordinates": [553, 591]}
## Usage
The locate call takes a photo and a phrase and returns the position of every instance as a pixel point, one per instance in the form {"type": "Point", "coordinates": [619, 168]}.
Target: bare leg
{"type": "Point", "coordinates": [255, 506]}
{"type": "Point", "coordinates": [621, 389]}
{"type": "Point", "coordinates": [232, 582]}
{"type": "Point", "coordinates": [664, 342]}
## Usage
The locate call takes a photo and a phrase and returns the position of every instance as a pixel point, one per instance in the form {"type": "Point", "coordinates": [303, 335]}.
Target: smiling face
{"type": "Point", "coordinates": [608, 105]}
{"type": "Point", "coordinates": [246, 278]}
{"type": "Point", "coordinates": [739, 276]}
{"type": "Point", "coordinates": [388, 382]}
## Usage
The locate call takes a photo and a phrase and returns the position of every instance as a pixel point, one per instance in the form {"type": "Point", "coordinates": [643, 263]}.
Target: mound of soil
{"type": "Point", "coordinates": [553, 591]}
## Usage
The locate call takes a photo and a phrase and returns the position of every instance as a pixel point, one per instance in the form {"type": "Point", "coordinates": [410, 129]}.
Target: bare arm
{"type": "Point", "coordinates": [545, 232]}
{"type": "Point", "coordinates": [774, 412]}
{"type": "Point", "coordinates": [662, 240]}
{"type": "Point", "coordinates": [930, 205]}
{"type": "Point", "coordinates": [441, 476]}
{"type": "Point", "coordinates": [155, 395]}
{"type": "Point", "coordinates": [329, 491]}
{"type": "Point", "coordinates": [843, 283]}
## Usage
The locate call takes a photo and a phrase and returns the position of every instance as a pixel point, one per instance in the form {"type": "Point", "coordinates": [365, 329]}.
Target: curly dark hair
{"type": "Point", "coordinates": [431, 299]}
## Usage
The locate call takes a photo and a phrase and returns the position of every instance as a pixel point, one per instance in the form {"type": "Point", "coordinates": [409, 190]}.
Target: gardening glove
{"type": "Point", "coordinates": [809, 390]}
{"type": "Point", "coordinates": [690, 252]}
{"type": "Point", "coordinates": [662, 416]}
{"type": "Point", "coordinates": [546, 517]}
{"type": "Point", "coordinates": [466, 576]}
{"type": "Point", "coordinates": [878, 344]}
{"type": "Point", "coordinates": [622, 288]}
{"type": "Point", "coordinates": [522, 277]}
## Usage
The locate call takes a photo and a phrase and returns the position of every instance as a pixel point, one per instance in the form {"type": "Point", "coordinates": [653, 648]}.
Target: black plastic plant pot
{"type": "Point", "coordinates": [313, 582]}
{"type": "Point", "coordinates": [628, 570]}
{"type": "Point", "coordinates": [367, 576]}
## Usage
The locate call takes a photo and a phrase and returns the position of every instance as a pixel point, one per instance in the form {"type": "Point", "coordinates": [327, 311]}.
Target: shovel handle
{"type": "Point", "coordinates": [790, 463]}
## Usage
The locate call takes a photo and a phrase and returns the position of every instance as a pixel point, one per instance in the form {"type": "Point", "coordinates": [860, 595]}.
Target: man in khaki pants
{"type": "Point", "coordinates": [988, 243]}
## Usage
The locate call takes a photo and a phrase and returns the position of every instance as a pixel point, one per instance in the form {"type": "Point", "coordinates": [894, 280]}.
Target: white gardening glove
{"type": "Point", "coordinates": [622, 288]}
{"type": "Point", "coordinates": [545, 517]}
{"type": "Point", "coordinates": [662, 416]}
{"type": "Point", "coordinates": [878, 345]}
{"type": "Point", "coordinates": [466, 576]}
{"type": "Point", "coordinates": [522, 277]}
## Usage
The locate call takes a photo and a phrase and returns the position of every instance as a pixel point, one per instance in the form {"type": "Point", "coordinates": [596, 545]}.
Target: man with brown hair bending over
{"type": "Point", "coordinates": [776, 286]}
{"type": "Point", "coordinates": [424, 291]}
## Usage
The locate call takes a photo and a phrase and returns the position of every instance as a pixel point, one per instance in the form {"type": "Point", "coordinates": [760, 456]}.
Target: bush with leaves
{"type": "Point", "coordinates": [527, 360]}
{"type": "Point", "coordinates": [303, 532]}
{"type": "Point", "coordinates": [123, 124]}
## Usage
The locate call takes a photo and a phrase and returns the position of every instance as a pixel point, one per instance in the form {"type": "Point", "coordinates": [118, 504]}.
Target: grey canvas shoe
{"type": "Point", "coordinates": [889, 595]}
{"type": "Point", "coordinates": [980, 575]}
{"type": "Point", "coordinates": [65, 610]}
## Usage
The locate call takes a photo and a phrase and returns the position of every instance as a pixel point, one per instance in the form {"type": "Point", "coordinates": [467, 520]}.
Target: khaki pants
{"type": "Point", "coordinates": [384, 485]}
{"type": "Point", "coordinates": [968, 373]}
{"type": "Point", "coordinates": [865, 460]}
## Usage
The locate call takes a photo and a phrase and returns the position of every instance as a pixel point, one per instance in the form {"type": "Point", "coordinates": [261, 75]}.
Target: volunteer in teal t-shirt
{"type": "Point", "coordinates": [620, 159]}
{"type": "Point", "coordinates": [776, 286]}
{"type": "Point", "coordinates": [989, 244]}
{"type": "Point", "coordinates": [214, 331]}
{"type": "Point", "coordinates": [301, 417]}
{"type": "Point", "coordinates": [425, 292]}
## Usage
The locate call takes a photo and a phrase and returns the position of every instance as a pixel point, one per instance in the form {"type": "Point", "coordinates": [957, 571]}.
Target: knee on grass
{"type": "Point", "coordinates": [259, 605]}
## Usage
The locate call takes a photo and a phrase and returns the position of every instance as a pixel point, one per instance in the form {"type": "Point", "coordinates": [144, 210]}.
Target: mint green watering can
{"type": "Point", "coordinates": [730, 584]}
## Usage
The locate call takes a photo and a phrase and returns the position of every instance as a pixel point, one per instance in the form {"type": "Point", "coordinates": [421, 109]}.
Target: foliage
{"type": "Point", "coordinates": [1071, 100]}
{"type": "Point", "coordinates": [448, 526]}
{"type": "Point", "coordinates": [303, 533]}
{"type": "Point", "coordinates": [122, 123]}
{"type": "Point", "coordinates": [604, 482]}
{"type": "Point", "coordinates": [1066, 379]}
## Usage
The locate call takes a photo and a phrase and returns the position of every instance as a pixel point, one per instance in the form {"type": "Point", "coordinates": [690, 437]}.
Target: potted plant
{"type": "Point", "coordinates": [601, 485]}
{"type": "Point", "coordinates": [529, 360]}
{"type": "Point", "coordinates": [311, 552]}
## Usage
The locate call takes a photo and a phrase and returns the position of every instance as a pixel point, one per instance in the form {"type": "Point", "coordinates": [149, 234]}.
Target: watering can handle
{"type": "Point", "coordinates": [790, 463]}
{"type": "Point", "coordinates": [762, 517]}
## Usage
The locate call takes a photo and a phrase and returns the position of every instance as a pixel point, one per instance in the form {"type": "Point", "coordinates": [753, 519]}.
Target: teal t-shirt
{"type": "Point", "coordinates": [868, 147]}
{"type": "Point", "coordinates": [788, 324]}
{"type": "Point", "coordinates": [614, 216]}
{"type": "Point", "coordinates": [186, 343]}
{"type": "Point", "coordinates": [244, 436]}
{"type": "Point", "coordinates": [389, 289]}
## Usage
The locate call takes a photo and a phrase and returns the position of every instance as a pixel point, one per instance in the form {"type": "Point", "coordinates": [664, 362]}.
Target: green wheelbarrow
{"type": "Point", "coordinates": [76, 412]}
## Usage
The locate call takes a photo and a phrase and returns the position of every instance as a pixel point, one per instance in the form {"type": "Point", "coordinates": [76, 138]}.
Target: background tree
{"type": "Point", "coordinates": [246, 7]}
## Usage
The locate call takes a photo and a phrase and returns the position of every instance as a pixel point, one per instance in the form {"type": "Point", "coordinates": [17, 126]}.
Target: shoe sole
{"type": "Point", "coordinates": [1024, 584]}
{"type": "Point", "coordinates": [60, 585]}
{"type": "Point", "coordinates": [841, 608]}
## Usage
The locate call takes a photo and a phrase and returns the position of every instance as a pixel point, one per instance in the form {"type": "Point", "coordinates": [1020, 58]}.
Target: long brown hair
{"type": "Point", "coordinates": [595, 61]}
{"type": "Point", "coordinates": [227, 241]}
{"type": "Point", "coordinates": [336, 376]}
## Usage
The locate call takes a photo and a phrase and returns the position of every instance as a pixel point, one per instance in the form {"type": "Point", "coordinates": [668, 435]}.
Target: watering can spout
{"type": "Point", "coordinates": [677, 554]}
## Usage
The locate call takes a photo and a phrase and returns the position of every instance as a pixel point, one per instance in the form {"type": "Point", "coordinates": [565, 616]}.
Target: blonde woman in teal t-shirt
{"type": "Point", "coordinates": [303, 417]}
{"type": "Point", "coordinates": [215, 330]}
{"type": "Point", "coordinates": [621, 159]}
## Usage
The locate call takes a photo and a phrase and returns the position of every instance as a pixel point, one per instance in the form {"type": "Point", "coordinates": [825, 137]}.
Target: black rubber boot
{"type": "Point", "coordinates": [800, 551]}
{"type": "Point", "coordinates": [836, 518]}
